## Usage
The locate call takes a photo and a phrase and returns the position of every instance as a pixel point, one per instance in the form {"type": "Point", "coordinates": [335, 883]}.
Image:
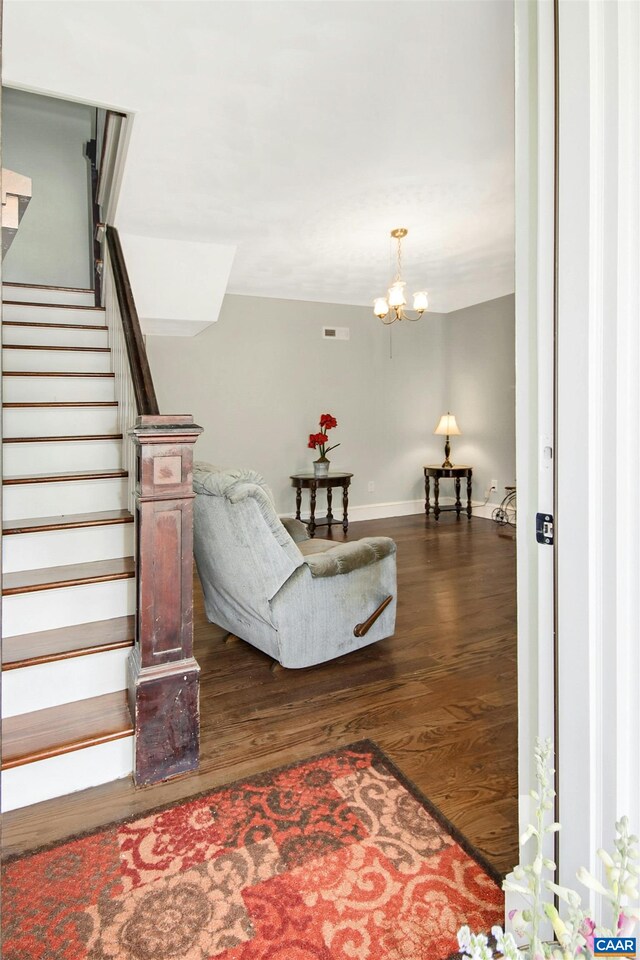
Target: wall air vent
{"type": "Point", "coordinates": [335, 333]}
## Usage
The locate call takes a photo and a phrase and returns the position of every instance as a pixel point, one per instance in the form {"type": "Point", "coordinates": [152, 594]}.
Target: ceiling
{"type": "Point", "coordinates": [302, 132]}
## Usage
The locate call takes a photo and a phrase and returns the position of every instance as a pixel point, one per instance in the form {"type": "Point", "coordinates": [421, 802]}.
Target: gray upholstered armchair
{"type": "Point", "coordinates": [301, 601]}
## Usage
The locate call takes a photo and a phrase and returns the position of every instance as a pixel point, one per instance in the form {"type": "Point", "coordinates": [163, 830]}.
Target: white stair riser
{"type": "Point", "coordinates": [64, 606]}
{"type": "Point", "coordinates": [20, 500]}
{"type": "Point", "coordinates": [60, 336]}
{"type": "Point", "coordinates": [26, 458]}
{"type": "Point", "coordinates": [85, 362]}
{"type": "Point", "coordinates": [58, 421]}
{"type": "Point", "coordinates": [48, 295]}
{"type": "Point", "coordinates": [43, 685]}
{"type": "Point", "coordinates": [54, 548]}
{"type": "Point", "coordinates": [57, 776]}
{"type": "Point", "coordinates": [57, 389]}
{"type": "Point", "coordinates": [50, 314]}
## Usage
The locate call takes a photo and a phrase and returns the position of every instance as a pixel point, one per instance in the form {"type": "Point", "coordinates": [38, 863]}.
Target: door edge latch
{"type": "Point", "coordinates": [545, 528]}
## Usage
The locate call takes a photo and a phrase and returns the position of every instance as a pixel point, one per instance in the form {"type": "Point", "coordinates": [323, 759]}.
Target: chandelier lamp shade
{"type": "Point", "coordinates": [447, 428]}
{"type": "Point", "coordinates": [392, 307]}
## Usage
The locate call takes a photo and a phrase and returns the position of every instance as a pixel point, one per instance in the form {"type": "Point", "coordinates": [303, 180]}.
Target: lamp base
{"type": "Point", "coordinates": [447, 464]}
{"type": "Point", "coordinates": [447, 450]}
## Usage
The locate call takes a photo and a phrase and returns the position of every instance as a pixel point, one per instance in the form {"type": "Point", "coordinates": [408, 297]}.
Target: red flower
{"type": "Point", "coordinates": [320, 440]}
{"type": "Point", "coordinates": [327, 422]}
{"type": "Point", "coordinates": [315, 439]}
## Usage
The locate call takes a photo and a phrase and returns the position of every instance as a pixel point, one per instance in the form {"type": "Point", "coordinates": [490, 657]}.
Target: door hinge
{"type": "Point", "coordinates": [544, 528]}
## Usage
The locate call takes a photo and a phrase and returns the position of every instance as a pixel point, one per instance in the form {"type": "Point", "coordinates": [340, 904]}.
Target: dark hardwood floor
{"type": "Point", "coordinates": [439, 697]}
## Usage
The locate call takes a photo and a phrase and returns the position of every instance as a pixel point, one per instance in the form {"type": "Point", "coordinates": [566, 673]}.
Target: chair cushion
{"type": "Point", "coordinates": [296, 530]}
{"type": "Point", "coordinates": [309, 547]}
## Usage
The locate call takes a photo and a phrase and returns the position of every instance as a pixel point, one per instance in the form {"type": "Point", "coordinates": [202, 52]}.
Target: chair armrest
{"type": "Point", "coordinates": [345, 557]}
{"type": "Point", "coordinates": [296, 530]}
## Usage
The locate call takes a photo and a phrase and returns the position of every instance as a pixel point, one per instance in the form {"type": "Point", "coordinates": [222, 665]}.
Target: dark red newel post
{"type": "Point", "coordinates": [164, 680]}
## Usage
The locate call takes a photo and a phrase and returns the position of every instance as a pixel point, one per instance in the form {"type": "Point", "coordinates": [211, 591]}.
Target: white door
{"type": "Point", "coordinates": [596, 669]}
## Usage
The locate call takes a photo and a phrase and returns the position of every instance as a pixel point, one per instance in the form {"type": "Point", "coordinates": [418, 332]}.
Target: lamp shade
{"type": "Point", "coordinates": [396, 297]}
{"type": "Point", "coordinates": [420, 301]}
{"type": "Point", "coordinates": [380, 307]}
{"type": "Point", "coordinates": [448, 426]}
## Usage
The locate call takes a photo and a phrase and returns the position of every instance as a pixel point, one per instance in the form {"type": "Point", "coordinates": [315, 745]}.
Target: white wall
{"type": "Point", "coordinates": [44, 139]}
{"type": "Point", "coordinates": [479, 387]}
{"type": "Point", "coordinates": [258, 380]}
{"type": "Point", "coordinates": [179, 285]}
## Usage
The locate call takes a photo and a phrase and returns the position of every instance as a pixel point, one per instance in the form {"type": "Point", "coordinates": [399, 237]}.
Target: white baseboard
{"type": "Point", "coordinates": [380, 511]}
{"type": "Point", "coordinates": [405, 508]}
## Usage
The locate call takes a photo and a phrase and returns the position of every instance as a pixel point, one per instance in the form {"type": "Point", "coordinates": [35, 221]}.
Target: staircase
{"type": "Point", "coordinates": [68, 566]}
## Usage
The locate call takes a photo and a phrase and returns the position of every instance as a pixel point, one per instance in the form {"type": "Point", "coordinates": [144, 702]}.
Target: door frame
{"type": "Point", "coordinates": [577, 379]}
{"type": "Point", "coordinates": [535, 284]}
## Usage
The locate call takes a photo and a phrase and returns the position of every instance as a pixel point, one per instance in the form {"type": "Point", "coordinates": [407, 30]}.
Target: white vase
{"type": "Point", "coordinates": [321, 468]}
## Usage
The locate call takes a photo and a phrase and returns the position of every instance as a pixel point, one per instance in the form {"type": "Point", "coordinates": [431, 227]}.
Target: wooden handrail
{"type": "Point", "coordinates": [143, 388]}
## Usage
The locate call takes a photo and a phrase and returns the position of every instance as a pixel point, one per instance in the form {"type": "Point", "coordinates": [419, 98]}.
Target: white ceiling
{"type": "Point", "coordinates": [302, 132]}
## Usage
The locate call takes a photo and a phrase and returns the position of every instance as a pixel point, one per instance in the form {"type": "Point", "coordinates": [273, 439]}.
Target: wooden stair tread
{"type": "Point", "coordinates": [53, 373]}
{"type": "Point", "coordinates": [61, 306]}
{"type": "Point", "coordinates": [66, 522]}
{"type": "Point", "coordinates": [64, 643]}
{"type": "Point", "coordinates": [68, 475]}
{"type": "Point", "coordinates": [54, 346]}
{"type": "Point", "coordinates": [58, 730]}
{"type": "Point", "coordinates": [19, 404]}
{"type": "Point", "coordinates": [54, 326]}
{"type": "Point", "coordinates": [69, 575]}
{"type": "Point", "coordinates": [63, 439]}
{"type": "Point", "coordinates": [44, 286]}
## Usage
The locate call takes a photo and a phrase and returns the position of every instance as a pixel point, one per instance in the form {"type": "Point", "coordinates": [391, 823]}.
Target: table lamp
{"type": "Point", "coordinates": [447, 428]}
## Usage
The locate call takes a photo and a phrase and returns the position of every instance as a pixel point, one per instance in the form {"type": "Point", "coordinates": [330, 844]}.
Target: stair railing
{"type": "Point", "coordinates": [128, 403]}
{"type": "Point", "coordinates": [163, 676]}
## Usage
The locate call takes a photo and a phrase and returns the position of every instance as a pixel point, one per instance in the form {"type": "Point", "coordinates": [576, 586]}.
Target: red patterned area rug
{"type": "Point", "coordinates": [334, 858]}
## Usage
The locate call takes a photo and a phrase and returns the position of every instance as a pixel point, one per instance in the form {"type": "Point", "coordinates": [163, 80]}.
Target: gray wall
{"type": "Point", "coordinates": [258, 380]}
{"type": "Point", "coordinates": [44, 138]}
{"type": "Point", "coordinates": [479, 387]}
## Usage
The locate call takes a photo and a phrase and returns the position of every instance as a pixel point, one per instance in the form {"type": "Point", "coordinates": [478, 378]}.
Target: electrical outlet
{"type": "Point", "coordinates": [493, 484]}
{"type": "Point", "coordinates": [371, 486]}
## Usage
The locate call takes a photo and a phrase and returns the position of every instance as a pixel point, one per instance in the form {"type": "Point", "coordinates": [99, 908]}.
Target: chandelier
{"type": "Point", "coordinates": [395, 299]}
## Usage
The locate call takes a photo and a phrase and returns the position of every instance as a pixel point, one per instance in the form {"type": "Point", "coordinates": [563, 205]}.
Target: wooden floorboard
{"type": "Point", "coordinates": [439, 697]}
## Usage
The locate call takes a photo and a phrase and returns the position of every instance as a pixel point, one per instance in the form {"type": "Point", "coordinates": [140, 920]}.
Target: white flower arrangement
{"type": "Point", "coordinates": [575, 932]}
